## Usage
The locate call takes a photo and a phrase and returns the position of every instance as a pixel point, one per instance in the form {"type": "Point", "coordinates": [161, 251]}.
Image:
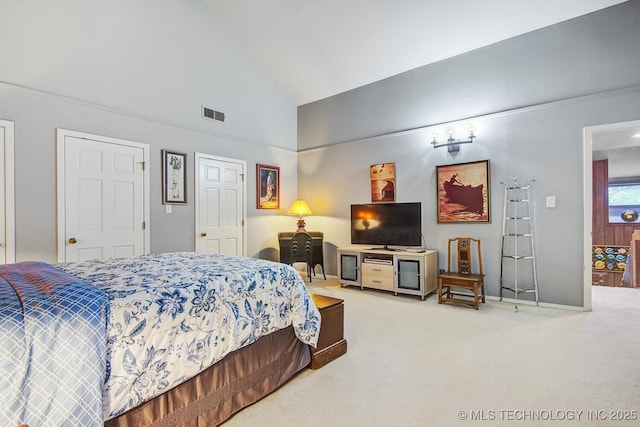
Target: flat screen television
{"type": "Point", "coordinates": [387, 224]}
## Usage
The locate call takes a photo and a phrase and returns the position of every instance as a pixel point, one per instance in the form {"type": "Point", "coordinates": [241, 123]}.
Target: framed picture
{"type": "Point", "coordinates": [383, 182]}
{"type": "Point", "coordinates": [463, 192]}
{"type": "Point", "coordinates": [268, 186]}
{"type": "Point", "coordinates": [609, 258]}
{"type": "Point", "coordinates": [174, 178]}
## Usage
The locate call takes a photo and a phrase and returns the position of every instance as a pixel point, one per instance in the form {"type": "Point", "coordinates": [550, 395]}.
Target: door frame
{"type": "Point", "coordinates": [9, 192]}
{"type": "Point", "coordinates": [196, 168]}
{"type": "Point", "coordinates": [61, 134]}
{"type": "Point", "coordinates": [588, 133]}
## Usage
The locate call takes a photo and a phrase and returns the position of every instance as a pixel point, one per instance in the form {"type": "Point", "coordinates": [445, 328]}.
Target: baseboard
{"type": "Point", "coordinates": [533, 303]}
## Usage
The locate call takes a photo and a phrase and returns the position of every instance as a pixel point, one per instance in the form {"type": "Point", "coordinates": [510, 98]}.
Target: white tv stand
{"type": "Point", "coordinates": [399, 271]}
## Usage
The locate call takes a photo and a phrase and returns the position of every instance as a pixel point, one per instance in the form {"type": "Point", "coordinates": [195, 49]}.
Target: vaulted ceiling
{"type": "Point", "coordinates": [316, 49]}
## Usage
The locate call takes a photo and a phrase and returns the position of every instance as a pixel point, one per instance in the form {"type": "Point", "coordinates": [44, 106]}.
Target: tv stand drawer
{"type": "Point", "coordinates": [378, 276]}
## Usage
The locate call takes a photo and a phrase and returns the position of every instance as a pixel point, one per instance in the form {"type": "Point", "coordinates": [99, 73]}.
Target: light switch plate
{"type": "Point", "coordinates": [551, 201]}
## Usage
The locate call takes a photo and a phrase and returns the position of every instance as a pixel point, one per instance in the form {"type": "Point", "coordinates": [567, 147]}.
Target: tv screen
{"type": "Point", "coordinates": [395, 224]}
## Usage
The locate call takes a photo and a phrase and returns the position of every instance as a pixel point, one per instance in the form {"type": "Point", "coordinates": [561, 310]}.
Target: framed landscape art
{"type": "Point", "coordinates": [463, 192]}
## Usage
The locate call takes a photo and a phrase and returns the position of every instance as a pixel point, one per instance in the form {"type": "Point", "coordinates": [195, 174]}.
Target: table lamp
{"type": "Point", "coordinates": [300, 208]}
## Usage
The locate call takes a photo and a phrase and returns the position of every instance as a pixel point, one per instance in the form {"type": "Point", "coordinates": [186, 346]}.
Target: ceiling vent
{"type": "Point", "coordinates": [210, 113]}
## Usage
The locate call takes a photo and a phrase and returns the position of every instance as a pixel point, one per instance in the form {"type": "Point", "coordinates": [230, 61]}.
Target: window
{"type": "Point", "coordinates": [624, 202]}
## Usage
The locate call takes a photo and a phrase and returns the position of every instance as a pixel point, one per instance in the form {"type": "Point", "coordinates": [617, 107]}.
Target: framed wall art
{"type": "Point", "coordinates": [268, 186]}
{"type": "Point", "coordinates": [383, 182]}
{"type": "Point", "coordinates": [174, 178]}
{"type": "Point", "coordinates": [609, 258]}
{"type": "Point", "coordinates": [463, 192]}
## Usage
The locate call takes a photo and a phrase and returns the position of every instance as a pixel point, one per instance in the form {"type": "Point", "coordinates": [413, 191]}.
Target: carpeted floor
{"type": "Point", "coordinates": [418, 363]}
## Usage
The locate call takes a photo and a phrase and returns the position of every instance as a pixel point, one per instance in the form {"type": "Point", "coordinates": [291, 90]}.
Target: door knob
{"type": "Point", "coordinates": [203, 234]}
{"type": "Point", "coordinates": [72, 240]}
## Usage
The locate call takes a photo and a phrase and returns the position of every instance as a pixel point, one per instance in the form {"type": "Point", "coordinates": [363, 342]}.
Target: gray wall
{"type": "Point", "coordinates": [138, 71]}
{"type": "Point", "coordinates": [529, 99]}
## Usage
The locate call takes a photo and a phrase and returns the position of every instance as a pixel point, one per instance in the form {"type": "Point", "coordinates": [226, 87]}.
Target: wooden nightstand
{"type": "Point", "coordinates": [331, 342]}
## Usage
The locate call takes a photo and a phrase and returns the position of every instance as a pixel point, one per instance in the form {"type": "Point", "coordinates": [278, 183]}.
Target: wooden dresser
{"type": "Point", "coordinates": [331, 343]}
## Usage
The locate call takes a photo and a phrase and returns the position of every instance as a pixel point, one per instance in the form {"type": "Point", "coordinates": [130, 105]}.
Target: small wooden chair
{"type": "Point", "coordinates": [462, 277]}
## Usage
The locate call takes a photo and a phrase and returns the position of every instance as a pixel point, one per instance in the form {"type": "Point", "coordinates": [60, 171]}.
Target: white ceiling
{"type": "Point", "coordinates": [617, 139]}
{"type": "Point", "coordinates": [621, 147]}
{"type": "Point", "coordinates": [316, 49]}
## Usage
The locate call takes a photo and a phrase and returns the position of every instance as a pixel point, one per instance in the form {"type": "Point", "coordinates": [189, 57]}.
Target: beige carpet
{"type": "Point", "coordinates": [418, 363]}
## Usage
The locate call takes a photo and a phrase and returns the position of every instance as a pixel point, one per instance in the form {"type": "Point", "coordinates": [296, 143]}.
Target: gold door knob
{"type": "Point", "coordinates": [72, 241]}
{"type": "Point", "coordinates": [203, 234]}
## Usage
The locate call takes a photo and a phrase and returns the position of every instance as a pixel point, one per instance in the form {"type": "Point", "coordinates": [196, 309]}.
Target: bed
{"type": "Point", "coordinates": [158, 340]}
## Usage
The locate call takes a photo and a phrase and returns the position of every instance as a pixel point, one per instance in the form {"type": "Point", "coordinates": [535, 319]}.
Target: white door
{"type": "Point", "coordinates": [7, 220]}
{"type": "Point", "coordinates": [102, 197]}
{"type": "Point", "coordinates": [220, 206]}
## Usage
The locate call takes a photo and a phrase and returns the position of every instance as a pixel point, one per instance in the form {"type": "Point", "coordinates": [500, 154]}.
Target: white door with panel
{"type": "Point", "coordinates": [220, 205]}
{"type": "Point", "coordinates": [7, 218]}
{"type": "Point", "coordinates": [103, 197]}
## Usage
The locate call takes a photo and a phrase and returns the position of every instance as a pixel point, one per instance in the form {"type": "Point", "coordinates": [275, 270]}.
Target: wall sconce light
{"type": "Point", "coordinates": [300, 208]}
{"type": "Point", "coordinates": [452, 144]}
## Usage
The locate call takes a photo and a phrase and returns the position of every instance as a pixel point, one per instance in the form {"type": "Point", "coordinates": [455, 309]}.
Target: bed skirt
{"type": "Point", "coordinates": [240, 379]}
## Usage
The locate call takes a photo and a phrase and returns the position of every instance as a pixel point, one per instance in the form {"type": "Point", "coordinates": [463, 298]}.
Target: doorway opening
{"type": "Point", "coordinates": [613, 141]}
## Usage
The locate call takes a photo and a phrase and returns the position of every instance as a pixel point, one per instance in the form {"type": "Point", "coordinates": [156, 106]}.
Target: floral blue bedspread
{"type": "Point", "coordinates": [52, 347]}
{"type": "Point", "coordinates": [173, 315]}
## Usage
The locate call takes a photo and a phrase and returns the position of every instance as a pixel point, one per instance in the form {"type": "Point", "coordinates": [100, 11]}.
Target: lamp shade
{"type": "Point", "coordinates": [300, 208]}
